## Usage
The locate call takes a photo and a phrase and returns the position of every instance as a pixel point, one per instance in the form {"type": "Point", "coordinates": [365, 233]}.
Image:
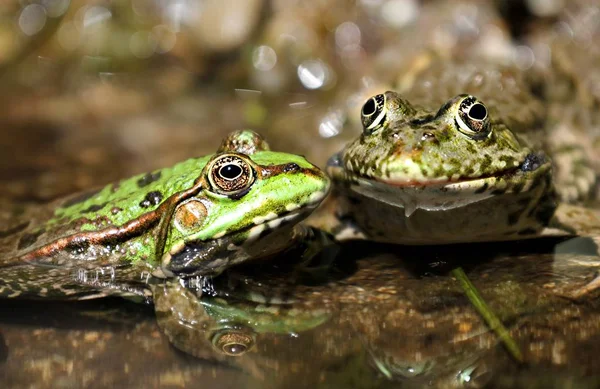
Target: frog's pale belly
{"type": "Point", "coordinates": [509, 216]}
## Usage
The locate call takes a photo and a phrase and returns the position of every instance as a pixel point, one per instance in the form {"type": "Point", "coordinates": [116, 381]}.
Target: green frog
{"type": "Point", "coordinates": [474, 165]}
{"type": "Point", "coordinates": [198, 217]}
{"type": "Point", "coordinates": [229, 324]}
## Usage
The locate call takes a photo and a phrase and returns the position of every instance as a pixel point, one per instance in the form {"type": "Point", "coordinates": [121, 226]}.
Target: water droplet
{"type": "Point", "coordinates": [264, 58]}
{"type": "Point", "coordinates": [331, 125]}
{"type": "Point", "coordinates": [523, 57]}
{"type": "Point", "coordinates": [94, 15]}
{"type": "Point", "coordinates": [347, 34]}
{"type": "Point", "coordinates": [313, 74]}
{"type": "Point", "coordinates": [164, 37]}
{"type": "Point", "coordinates": [399, 13]}
{"type": "Point", "coordinates": [68, 36]}
{"type": "Point", "coordinates": [55, 8]}
{"type": "Point", "coordinates": [32, 19]}
{"type": "Point", "coordinates": [352, 56]}
{"type": "Point", "coordinates": [180, 12]}
{"type": "Point", "coordinates": [545, 8]}
{"type": "Point", "coordinates": [142, 44]}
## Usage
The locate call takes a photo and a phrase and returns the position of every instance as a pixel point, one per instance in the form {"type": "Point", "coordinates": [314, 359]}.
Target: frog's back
{"type": "Point", "coordinates": [72, 223]}
{"type": "Point", "coordinates": [504, 89]}
{"type": "Point", "coordinates": [17, 221]}
{"type": "Point", "coordinates": [512, 97]}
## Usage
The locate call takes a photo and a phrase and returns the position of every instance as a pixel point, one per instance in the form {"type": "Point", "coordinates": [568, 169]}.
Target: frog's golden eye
{"type": "Point", "coordinates": [230, 175]}
{"type": "Point", "coordinates": [233, 342]}
{"type": "Point", "coordinates": [373, 114]}
{"type": "Point", "coordinates": [472, 118]}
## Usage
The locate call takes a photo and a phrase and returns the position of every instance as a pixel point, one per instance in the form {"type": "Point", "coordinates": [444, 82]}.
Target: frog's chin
{"type": "Point", "coordinates": [531, 164]}
{"type": "Point", "coordinates": [411, 198]}
{"type": "Point", "coordinates": [210, 257]}
{"type": "Point", "coordinates": [439, 195]}
{"type": "Point", "coordinates": [449, 183]}
{"type": "Point", "coordinates": [441, 183]}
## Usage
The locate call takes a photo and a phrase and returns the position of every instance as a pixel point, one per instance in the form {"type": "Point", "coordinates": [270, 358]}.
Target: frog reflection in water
{"type": "Point", "coordinates": [229, 325]}
{"type": "Point", "coordinates": [198, 217]}
{"type": "Point", "coordinates": [412, 329]}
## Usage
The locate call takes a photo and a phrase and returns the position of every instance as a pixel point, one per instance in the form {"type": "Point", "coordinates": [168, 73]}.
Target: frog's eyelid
{"type": "Point", "coordinates": [377, 104]}
{"type": "Point", "coordinates": [464, 125]}
{"type": "Point", "coordinates": [377, 120]}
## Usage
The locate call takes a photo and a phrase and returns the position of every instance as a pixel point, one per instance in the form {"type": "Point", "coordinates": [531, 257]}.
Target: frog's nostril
{"type": "Point", "coordinates": [291, 167]}
{"type": "Point", "coordinates": [427, 136]}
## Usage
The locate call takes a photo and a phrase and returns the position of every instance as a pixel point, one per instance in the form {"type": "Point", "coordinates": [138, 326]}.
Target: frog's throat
{"type": "Point", "coordinates": [254, 232]}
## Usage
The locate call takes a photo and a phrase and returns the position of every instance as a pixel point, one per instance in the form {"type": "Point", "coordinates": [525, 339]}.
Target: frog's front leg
{"type": "Point", "coordinates": [575, 220]}
{"type": "Point", "coordinates": [335, 218]}
{"type": "Point", "coordinates": [575, 176]}
{"type": "Point", "coordinates": [319, 250]}
{"type": "Point", "coordinates": [205, 258]}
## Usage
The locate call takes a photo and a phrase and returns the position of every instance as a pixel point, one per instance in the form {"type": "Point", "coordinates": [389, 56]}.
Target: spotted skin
{"type": "Point", "coordinates": [445, 174]}
{"type": "Point", "coordinates": [525, 102]}
{"type": "Point", "coordinates": [427, 169]}
{"type": "Point", "coordinates": [176, 221]}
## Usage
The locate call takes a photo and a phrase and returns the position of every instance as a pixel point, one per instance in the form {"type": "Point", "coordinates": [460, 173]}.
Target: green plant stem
{"type": "Point", "coordinates": [486, 312]}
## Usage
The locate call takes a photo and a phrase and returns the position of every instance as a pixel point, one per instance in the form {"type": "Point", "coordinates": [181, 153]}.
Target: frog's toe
{"type": "Point", "coordinates": [586, 289]}
{"type": "Point", "coordinates": [576, 179]}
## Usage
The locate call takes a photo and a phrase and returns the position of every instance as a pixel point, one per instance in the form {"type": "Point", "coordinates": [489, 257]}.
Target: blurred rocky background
{"type": "Point", "coordinates": [92, 91]}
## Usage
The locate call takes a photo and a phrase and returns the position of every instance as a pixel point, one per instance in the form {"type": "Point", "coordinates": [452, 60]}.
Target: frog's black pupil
{"type": "Point", "coordinates": [230, 171]}
{"type": "Point", "coordinates": [369, 107]}
{"type": "Point", "coordinates": [478, 112]}
{"type": "Point", "coordinates": [234, 348]}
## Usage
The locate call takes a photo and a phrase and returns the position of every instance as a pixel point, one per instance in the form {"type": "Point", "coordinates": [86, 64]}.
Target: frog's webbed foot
{"type": "Point", "coordinates": [575, 176]}
{"type": "Point", "coordinates": [585, 223]}
{"type": "Point", "coordinates": [320, 252]}
{"type": "Point", "coordinates": [348, 230]}
{"type": "Point", "coordinates": [333, 218]}
{"type": "Point", "coordinates": [575, 220]}
{"type": "Point", "coordinates": [586, 289]}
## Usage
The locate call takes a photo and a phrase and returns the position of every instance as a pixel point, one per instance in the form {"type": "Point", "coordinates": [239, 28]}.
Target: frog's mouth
{"type": "Point", "coordinates": [445, 182]}
{"type": "Point", "coordinates": [445, 194]}
{"type": "Point", "coordinates": [530, 163]}
{"type": "Point", "coordinates": [211, 257]}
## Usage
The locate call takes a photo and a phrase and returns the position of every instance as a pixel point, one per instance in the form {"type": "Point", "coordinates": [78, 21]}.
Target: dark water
{"type": "Point", "coordinates": [379, 317]}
